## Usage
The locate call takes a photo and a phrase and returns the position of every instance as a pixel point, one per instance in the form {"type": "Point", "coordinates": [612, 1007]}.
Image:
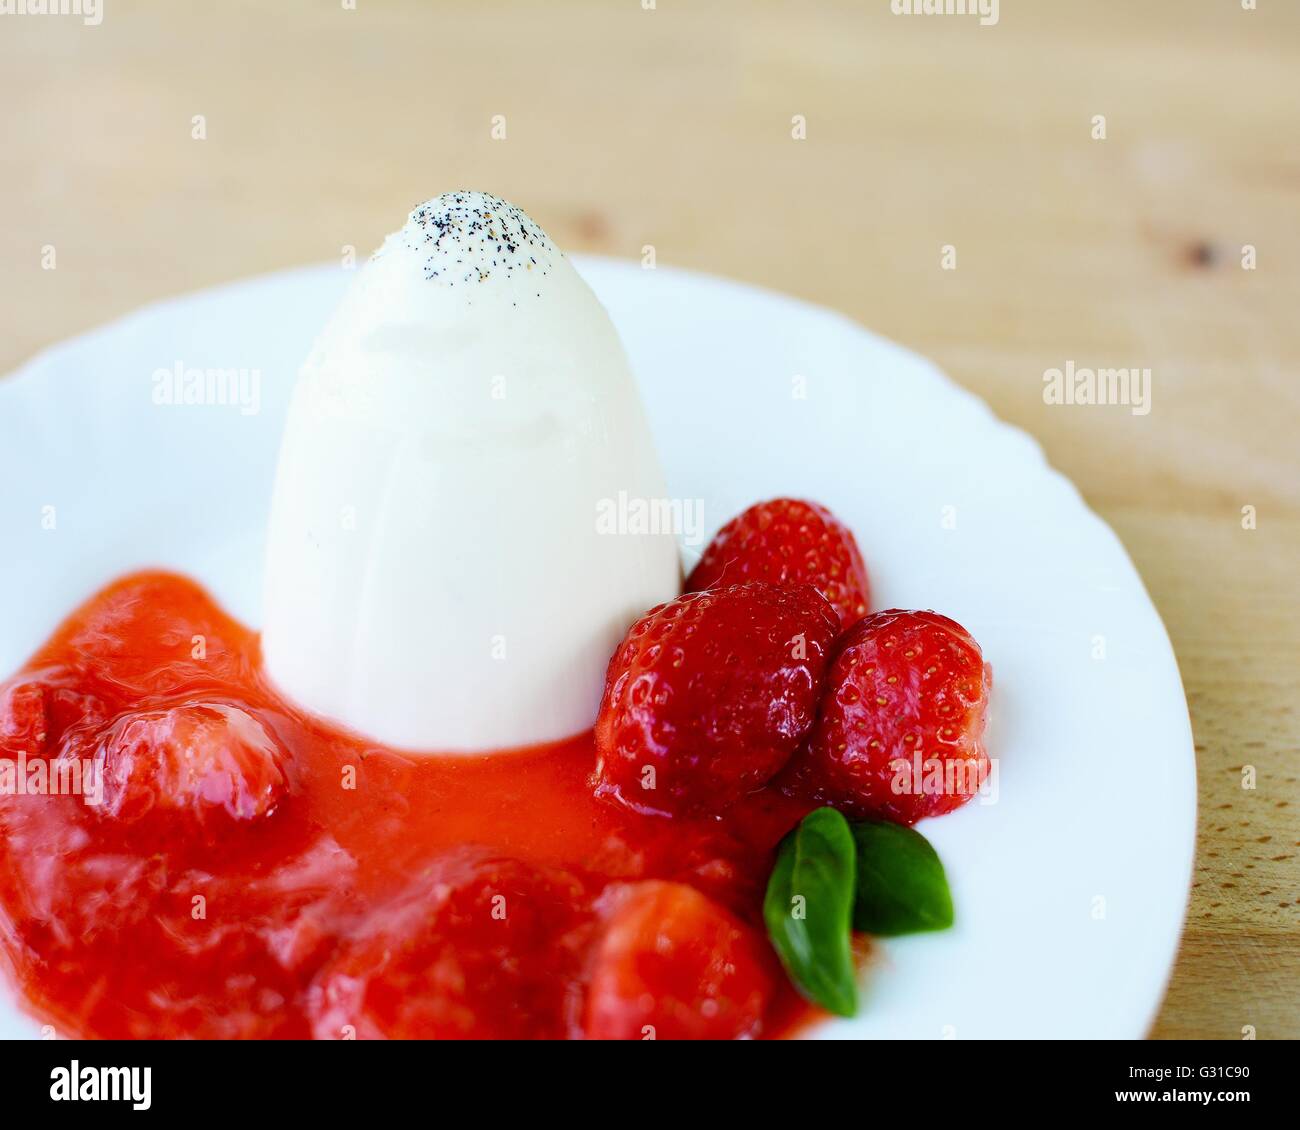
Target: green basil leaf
{"type": "Point", "coordinates": [901, 887]}
{"type": "Point", "coordinates": [808, 908]}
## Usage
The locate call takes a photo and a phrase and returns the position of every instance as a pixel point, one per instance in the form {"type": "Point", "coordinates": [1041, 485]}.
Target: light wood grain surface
{"type": "Point", "coordinates": [672, 127]}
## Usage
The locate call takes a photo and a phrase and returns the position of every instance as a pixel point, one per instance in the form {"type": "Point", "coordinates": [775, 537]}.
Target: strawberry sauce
{"type": "Point", "coordinates": [245, 865]}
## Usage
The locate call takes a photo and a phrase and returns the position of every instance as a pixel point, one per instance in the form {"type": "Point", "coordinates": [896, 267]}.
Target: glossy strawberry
{"type": "Point", "coordinates": [899, 733]}
{"type": "Point", "coordinates": [201, 758]}
{"type": "Point", "coordinates": [674, 965]}
{"type": "Point", "coordinates": [45, 709]}
{"type": "Point", "coordinates": [24, 721]}
{"type": "Point", "coordinates": [709, 695]}
{"type": "Point", "coordinates": [786, 542]}
{"type": "Point", "coordinates": [481, 947]}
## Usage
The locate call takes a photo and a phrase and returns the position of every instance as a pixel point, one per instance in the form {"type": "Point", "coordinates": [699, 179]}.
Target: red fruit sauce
{"type": "Point", "coordinates": [245, 890]}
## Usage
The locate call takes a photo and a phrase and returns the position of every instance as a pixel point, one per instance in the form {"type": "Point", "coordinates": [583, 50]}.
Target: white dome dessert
{"type": "Point", "coordinates": [436, 578]}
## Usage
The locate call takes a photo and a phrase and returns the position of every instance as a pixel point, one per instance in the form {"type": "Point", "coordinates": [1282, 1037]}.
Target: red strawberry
{"type": "Point", "coordinates": [674, 965]}
{"type": "Point", "coordinates": [709, 695]}
{"type": "Point", "coordinates": [44, 711]}
{"type": "Point", "coordinates": [24, 718]}
{"type": "Point", "coordinates": [789, 542]}
{"type": "Point", "coordinates": [202, 758]}
{"type": "Point", "coordinates": [899, 731]}
{"type": "Point", "coordinates": [480, 947]}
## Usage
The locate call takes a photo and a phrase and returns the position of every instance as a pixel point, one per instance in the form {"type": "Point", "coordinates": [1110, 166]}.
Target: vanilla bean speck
{"type": "Point", "coordinates": [465, 237]}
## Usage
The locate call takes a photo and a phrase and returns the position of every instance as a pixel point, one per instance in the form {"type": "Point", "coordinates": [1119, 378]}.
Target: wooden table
{"type": "Point", "coordinates": [673, 127]}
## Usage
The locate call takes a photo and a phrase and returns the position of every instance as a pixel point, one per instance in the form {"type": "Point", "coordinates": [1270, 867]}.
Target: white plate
{"type": "Point", "coordinates": [1070, 889]}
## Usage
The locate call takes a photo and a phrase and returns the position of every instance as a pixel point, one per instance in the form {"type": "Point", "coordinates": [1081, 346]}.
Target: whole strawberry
{"type": "Point", "coordinates": [899, 733]}
{"type": "Point", "coordinates": [709, 695]}
{"type": "Point", "coordinates": [789, 542]}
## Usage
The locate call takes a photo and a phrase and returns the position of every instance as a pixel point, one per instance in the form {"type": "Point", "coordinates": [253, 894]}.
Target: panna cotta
{"type": "Point", "coordinates": [436, 575]}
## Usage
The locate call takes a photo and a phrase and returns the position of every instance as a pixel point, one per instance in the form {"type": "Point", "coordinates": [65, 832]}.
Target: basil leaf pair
{"type": "Point", "coordinates": [831, 878]}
